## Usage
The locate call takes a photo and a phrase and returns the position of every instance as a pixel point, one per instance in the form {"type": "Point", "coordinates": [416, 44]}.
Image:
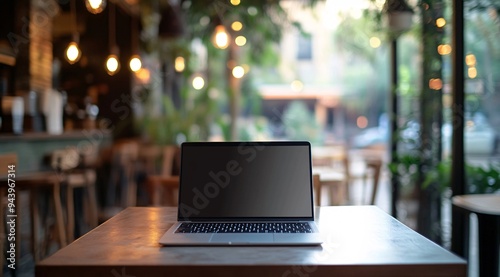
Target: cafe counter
{"type": "Point", "coordinates": [33, 149]}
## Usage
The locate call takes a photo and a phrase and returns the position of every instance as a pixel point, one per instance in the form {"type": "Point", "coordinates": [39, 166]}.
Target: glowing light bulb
{"type": "Point", "coordinates": [470, 60]}
{"type": "Point", "coordinates": [472, 72]}
{"type": "Point", "coordinates": [440, 22]}
{"type": "Point", "coordinates": [238, 72]}
{"type": "Point", "coordinates": [375, 42]}
{"type": "Point", "coordinates": [240, 40]}
{"type": "Point", "coordinates": [95, 6]}
{"type": "Point", "coordinates": [135, 63]}
{"type": "Point", "coordinates": [112, 64]}
{"type": "Point", "coordinates": [198, 83]}
{"type": "Point", "coordinates": [73, 53]}
{"type": "Point", "coordinates": [221, 37]}
{"type": "Point", "coordinates": [179, 64]}
{"type": "Point", "coordinates": [237, 26]}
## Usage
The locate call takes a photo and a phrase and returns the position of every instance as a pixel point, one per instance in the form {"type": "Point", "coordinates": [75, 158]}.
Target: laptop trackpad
{"type": "Point", "coordinates": [241, 238]}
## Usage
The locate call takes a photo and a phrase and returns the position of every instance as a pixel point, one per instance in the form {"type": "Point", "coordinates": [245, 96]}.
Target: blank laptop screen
{"type": "Point", "coordinates": [245, 180]}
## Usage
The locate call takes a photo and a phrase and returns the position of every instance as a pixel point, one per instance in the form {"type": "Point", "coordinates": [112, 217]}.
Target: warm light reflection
{"type": "Point", "coordinates": [143, 75]}
{"type": "Point", "coordinates": [73, 53]}
{"type": "Point", "coordinates": [235, 2]}
{"type": "Point", "coordinates": [472, 72]}
{"type": "Point", "coordinates": [179, 64]}
{"type": "Point", "coordinates": [440, 22]}
{"type": "Point", "coordinates": [135, 63]}
{"type": "Point", "coordinates": [237, 26]}
{"type": "Point", "coordinates": [297, 86]}
{"type": "Point", "coordinates": [198, 83]}
{"type": "Point", "coordinates": [112, 64]}
{"type": "Point", "coordinates": [435, 84]}
{"type": "Point", "coordinates": [238, 72]}
{"type": "Point", "coordinates": [470, 60]}
{"type": "Point", "coordinates": [375, 42]}
{"type": "Point", "coordinates": [221, 37]}
{"type": "Point", "coordinates": [444, 49]}
{"type": "Point", "coordinates": [362, 122]}
{"type": "Point", "coordinates": [95, 6]}
{"type": "Point", "coordinates": [240, 40]}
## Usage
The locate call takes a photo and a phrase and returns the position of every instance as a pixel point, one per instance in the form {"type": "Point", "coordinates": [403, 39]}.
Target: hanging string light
{"type": "Point", "coordinates": [135, 62]}
{"type": "Point", "coordinates": [95, 6]}
{"type": "Point", "coordinates": [73, 52]}
{"type": "Point", "coordinates": [220, 37]}
{"type": "Point", "coordinates": [112, 62]}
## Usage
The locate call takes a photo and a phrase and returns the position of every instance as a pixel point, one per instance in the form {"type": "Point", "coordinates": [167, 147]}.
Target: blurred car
{"type": "Point", "coordinates": [479, 137]}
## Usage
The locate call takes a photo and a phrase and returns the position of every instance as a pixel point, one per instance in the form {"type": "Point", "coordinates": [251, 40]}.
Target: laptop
{"type": "Point", "coordinates": [245, 193]}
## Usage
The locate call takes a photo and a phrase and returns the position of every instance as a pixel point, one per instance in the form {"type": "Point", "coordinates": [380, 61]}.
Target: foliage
{"type": "Point", "coordinates": [479, 179]}
{"type": "Point", "coordinates": [406, 170]}
{"type": "Point", "coordinates": [173, 125]}
{"type": "Point", "coordinates": [300, 123]}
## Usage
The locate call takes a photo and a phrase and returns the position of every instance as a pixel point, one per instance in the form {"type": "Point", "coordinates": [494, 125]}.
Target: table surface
{"type": "Point", "coordinates": [479, 203]}
{"type": "Point", "coordinates": [359, 241]}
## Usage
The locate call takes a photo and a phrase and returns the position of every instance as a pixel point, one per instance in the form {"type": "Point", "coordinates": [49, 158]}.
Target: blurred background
{"type": "Point", "coordinates": [368, 82]}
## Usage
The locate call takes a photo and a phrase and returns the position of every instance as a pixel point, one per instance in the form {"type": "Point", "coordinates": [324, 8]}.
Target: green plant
{"type": "Point", "coordinates": [189, 122]}
{"type": "Point", "coordinates": [300, 123]}
{"type": "Point", "coordinates": [479, 179]}
{"type": "Point", "coordinates": [406, 169]}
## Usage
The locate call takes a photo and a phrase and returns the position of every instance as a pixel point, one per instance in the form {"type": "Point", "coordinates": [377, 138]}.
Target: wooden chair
{"type": "Point", "coordinates": [317, 190]}
{"type": "Point", "coordinates": [79, 173]}
{"type": "Point", "coordinates": [33, 182]}
{"type": "Point", "coordinates": [123, 174]}
{"type": "Point", "coordinates": [163, 187]}
{"type": "Point", "coordinates": [333, 181]}
{"type": "Point", "coordinates": [329, 174]}
{"type": "Point", "coordinates": [370, 170]}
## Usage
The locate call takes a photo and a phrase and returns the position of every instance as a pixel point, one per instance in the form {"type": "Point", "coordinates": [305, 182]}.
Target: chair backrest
{"type": "Point", "coordinates": [6, 160]}
{"type": "Point", "coordinates": [169, 160]}
{"type": "Point", "coordinates": [317, 190]}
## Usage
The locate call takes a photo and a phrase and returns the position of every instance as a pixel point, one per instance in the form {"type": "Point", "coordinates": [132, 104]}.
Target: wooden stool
{"type": "Point", "coordinates": [32, 182]}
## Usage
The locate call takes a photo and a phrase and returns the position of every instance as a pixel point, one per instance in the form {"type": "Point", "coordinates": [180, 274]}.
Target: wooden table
{"type": "Point", "coordinates": [359, 241]}
{"type": "Point", "coordinates": [487, 209]}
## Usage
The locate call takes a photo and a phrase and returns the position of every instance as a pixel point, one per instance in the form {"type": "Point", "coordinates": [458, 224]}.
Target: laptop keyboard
{"type": "Point", "coordinates": [293, 227]}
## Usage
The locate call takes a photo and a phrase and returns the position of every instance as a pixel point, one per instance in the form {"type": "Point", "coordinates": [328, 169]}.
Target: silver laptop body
{"type": "Point", "coordinates": [243, 185]}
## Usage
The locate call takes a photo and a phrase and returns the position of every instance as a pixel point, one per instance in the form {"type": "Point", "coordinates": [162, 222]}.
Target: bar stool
{"type": "Point", "coordinates": [33, 182]}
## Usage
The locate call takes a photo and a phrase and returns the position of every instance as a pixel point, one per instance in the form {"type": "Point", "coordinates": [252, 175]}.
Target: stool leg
{"type": "Point", "coordinates": [56, 197]}
{"type": "Point", "coordinates": [35, 223]}
{"type": "Point", "coordinates": [71, 212]}
{"type": "Point", "coordinates": [91, 193]}
{"type": "Point", "coordinates": [376, 177]}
